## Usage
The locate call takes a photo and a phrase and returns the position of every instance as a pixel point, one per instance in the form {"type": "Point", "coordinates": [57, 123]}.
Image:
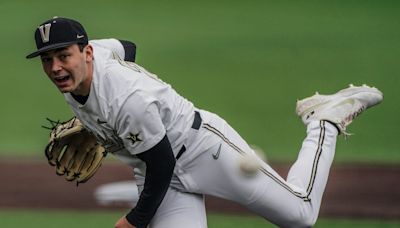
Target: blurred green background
{"type": "Point", "coordinates": [247, 61]}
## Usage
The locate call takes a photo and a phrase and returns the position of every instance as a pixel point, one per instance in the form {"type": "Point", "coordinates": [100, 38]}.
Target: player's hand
{"type": "Point", "coordinates": [123, 223]}
{"type": "Point", "coordinates": [74, 151]}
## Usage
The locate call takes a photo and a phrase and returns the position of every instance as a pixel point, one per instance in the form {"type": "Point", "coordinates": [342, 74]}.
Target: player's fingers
{"type": "Point", "coordinates": [66, 158]}
{"type": "Point", "coordinates": [92, 163]}
{"type": "Point", "coordinates": [70, 132]}
{"type": "Point", "coordinates": [75, 165]}
{"type": "Point", "coordinates": [74, 148]}
{"type": "Point", "coordinates": [48, 152]}
{"type": "Point", "coordinates": [53, 151]}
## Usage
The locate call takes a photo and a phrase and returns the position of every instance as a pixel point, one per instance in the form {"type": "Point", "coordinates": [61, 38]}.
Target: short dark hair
{"type": "Point", "coordinates": [81, 47]}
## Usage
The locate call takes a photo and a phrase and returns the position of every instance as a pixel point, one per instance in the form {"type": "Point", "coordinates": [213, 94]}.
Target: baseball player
{"type": "Point", "coordinates": [178, 152]}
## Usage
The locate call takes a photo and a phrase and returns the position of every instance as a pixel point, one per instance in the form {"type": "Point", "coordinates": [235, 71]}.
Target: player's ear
{"type": "Point", "coordinates": [89, 53]}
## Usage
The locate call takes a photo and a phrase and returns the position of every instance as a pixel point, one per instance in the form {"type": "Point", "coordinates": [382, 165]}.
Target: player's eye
{"type": "Point", "coordinates": [63, 57]}
{"type": "Point", "coordinates": [45, 59]}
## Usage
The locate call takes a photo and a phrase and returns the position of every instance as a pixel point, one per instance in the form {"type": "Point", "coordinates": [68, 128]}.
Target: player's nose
{"type": "Point", "coordinates": [56, 66]}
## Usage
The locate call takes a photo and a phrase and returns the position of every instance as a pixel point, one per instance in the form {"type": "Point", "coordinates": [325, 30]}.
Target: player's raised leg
{"type": "Point", "coordinates": [286, 204]}
{"type": "Point", "coordinates": [320, 113]}
{"type": "Point", "coordinates": [339, 108]}
{"type": "Point", "coordinates": [294, 202]}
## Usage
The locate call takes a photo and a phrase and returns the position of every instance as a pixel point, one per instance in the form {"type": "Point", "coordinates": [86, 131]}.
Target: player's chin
{"type": "Point", "coordinates": [65, 88]}
{"type": "Point", "coordinates": [65, 91]}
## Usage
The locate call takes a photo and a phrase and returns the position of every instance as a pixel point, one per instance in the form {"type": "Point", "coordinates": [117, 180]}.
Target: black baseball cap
{"type": "Point", "coordinates": [56, 33]}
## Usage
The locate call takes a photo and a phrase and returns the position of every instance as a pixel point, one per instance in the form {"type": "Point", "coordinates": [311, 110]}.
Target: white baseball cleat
{"type": "Point", "coordinates": [339, 108]}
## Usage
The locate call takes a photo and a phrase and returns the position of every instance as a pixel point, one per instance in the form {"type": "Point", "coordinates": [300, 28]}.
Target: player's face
{"type": "Point", "coordinates": [69, 68]}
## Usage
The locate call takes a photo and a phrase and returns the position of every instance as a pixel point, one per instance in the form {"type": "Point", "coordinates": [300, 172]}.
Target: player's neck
{"type": "Point", "coordinates": [84, 88]}
{"type": "Point", "coordinates": [80, 99]}
{"type": "Point", "coordinates": [81, 95]}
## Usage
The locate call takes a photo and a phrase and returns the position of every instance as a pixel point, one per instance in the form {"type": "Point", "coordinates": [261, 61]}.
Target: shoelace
{"type": "Point", "coordinates": [348, 120]}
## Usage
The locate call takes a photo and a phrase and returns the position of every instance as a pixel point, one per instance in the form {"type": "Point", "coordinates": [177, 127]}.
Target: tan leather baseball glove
{"type": "Point", "coordinates": [74, 151]}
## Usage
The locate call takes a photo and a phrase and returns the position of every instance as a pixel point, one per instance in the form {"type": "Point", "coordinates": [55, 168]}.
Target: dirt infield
{"type": "Point", "coordinates": [352, 191]}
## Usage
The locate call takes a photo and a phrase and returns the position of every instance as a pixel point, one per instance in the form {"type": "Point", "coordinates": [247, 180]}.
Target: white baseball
{"type": "Point", "coordinates": [249, 165]}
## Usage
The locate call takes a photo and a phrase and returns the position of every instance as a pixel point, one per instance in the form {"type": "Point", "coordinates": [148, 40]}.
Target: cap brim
{"type": "Point", "coordinates": [49, 48]}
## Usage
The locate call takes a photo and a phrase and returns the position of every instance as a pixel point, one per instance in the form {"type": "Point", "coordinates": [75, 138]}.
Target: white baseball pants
{"type": "Point", "coordinates": [294, 202]}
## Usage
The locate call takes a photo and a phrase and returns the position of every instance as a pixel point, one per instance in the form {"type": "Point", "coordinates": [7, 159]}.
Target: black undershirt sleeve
{"type": "Point", "coordinates": [130, 50]}
{"type": "Point", "coordinates": [160, 163]}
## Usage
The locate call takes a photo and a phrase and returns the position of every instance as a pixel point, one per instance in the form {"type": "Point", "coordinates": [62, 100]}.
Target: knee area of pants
{"type": "Point", "coordinates": [301, 220]}
{"type": "Point", "coordinates": [298, 224]}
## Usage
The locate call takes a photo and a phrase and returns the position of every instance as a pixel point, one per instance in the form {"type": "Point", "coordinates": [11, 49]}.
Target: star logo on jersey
{"type": "Point", "coordinates": [134, 138]}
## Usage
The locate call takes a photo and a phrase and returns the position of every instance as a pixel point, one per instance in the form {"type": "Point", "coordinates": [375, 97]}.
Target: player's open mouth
{"type": "Point", "coordinates": [62, 79]}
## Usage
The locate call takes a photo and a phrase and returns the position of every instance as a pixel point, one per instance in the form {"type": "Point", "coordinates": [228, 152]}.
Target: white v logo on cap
{"type": "Point", "coordinates": [46, 33]}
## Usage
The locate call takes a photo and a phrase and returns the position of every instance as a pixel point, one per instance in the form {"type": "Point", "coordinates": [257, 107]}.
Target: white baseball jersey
{"type": "Point", "coordinates": [129, 109]}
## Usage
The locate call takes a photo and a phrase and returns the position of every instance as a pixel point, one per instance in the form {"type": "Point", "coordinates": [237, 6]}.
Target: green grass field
{"type": "Point", "coordinates": [247, 61]}
{"type": "Point", "coordinates": [80, 219]}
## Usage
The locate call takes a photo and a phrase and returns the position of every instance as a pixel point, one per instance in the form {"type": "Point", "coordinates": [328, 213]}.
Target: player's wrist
{"type": "Point", "coordinates": [123, 223]}
{"type": "Point", "coordinates": [132, 218]}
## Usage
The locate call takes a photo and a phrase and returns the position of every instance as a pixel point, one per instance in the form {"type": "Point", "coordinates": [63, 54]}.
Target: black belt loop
{"type": "Point", "coordinates": [196, 125]}
{"type": "Point", "coordinates": [197, 120]}
{"type": "Point", "coordinates": [183, 149]}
